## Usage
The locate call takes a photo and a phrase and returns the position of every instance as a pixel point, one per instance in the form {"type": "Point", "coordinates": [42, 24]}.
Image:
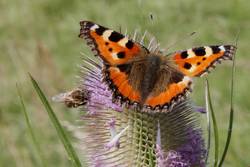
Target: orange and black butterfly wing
{"type": "Point", "coordinates": [118, 80]}
{"type": "Point", "coordinates": [172, 91]}
{"type": "Point", "coordinates": [113, 47]}
{"type": "Point", "coordinates": [189, 63]}
{"type": "Point", "coordinates": [198, 61]}
{"type": "Point", "coordinates": [116, 51]}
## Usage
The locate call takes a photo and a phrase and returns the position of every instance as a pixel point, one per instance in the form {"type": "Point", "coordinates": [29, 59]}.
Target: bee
{"type": "Point", "coordinates": [74, 98]}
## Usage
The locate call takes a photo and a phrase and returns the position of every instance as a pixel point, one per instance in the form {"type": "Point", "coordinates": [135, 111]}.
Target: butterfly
{"type": "Point", "coordinates": [149, 80]}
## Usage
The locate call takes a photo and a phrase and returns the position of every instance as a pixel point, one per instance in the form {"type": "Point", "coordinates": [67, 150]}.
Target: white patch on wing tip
{"type": "Point", "coordinates": [222, 48]}
{"type": "Point", "coordinates": [107, 34]}
{"type": "Point", "coordinates": [190, 53]}
{"type": "Point", "coordinates": [94, 27]}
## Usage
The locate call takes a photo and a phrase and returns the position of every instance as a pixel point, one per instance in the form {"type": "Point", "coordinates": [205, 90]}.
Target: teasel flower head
{"type": "Point", "coordinates": [113, 135]}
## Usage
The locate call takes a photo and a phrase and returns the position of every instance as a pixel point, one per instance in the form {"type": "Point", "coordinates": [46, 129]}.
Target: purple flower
{"type": "Point", "coordinates": [114, 142]}
{"type": "Point", "coordinates": [191, 153]}
{"type": "Point", "coordinates": [193, 150]}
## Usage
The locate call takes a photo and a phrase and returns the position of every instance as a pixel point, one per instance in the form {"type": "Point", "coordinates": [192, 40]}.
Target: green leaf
{"type": "Point", "coordinates": [61, 133]}
{"type": "Point", "coordinates": [215, 128]}
{"type": "Point", "coordinates": [37, 147]}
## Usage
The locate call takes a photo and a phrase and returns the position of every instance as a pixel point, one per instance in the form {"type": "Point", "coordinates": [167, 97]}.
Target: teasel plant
{"type": "Point", "coordinates": [113, 135]}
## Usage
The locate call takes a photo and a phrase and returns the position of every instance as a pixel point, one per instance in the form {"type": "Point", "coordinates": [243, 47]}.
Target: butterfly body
{"type": "Point", "coordinates": [146, 75]}
{"type": "Point", "coordinates": [144, 79]}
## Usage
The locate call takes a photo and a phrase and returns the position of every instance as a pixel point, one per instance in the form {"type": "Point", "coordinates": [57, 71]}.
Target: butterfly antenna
{"type": "Point", "coordinates": [177, 41]}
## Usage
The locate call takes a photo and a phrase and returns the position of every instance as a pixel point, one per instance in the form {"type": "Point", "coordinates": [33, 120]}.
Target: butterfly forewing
{"type": "Point", "coordinates": [197, 61]}
{"type": "Point", "coordinates": [113, 47]}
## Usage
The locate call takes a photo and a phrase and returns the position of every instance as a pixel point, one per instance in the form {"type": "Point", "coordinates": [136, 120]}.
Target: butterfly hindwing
{"type": "Point", "coordinates": [197, 61]}
{"type": "Point", "coordinates": [113, 47]}
{"type": "Point", "coordinates": [118, 81]}
{"type": "Point", "coordinates": [169, 89]}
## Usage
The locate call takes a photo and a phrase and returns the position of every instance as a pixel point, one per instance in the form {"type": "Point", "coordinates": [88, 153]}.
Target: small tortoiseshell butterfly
{"type": "Point", "coordinates": [144, 79]}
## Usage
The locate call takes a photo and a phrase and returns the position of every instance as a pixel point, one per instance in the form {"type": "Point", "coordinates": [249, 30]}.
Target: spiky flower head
{"type": "Point", "coordinates": [116, 136]}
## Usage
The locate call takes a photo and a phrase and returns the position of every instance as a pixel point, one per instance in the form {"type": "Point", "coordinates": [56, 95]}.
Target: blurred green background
{"type": "Point", "coordinates": [41, 37]}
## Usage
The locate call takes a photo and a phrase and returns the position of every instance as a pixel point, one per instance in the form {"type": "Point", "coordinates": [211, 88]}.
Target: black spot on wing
{"type": "Point", "coordinates": [100, 30]}
{"type": "Point", "coordinates": [187, 66]}
{"type": "Point", "coordinates": [115, 36]}
{"type": "Point", "coordinates": [199, 51]}
{"type": "Point", "coordinates": [124, 68]}
{"type": "Point", "coordinates": [184, 55]}
{"type": "Point", "coordinates": [121, 55]}
{"type": "Point", "coordinates": [215, 49]}
{"type": "Point", "coordinates": [129, 44]}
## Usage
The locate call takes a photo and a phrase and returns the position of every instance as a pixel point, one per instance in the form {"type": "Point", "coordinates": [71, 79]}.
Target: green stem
{"type": "Point", "coordinates": [208, 129]}
{"type": "Point", "coordinates": [215, 128]}
{"type": "Point", "coordinates": [231, 118]}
